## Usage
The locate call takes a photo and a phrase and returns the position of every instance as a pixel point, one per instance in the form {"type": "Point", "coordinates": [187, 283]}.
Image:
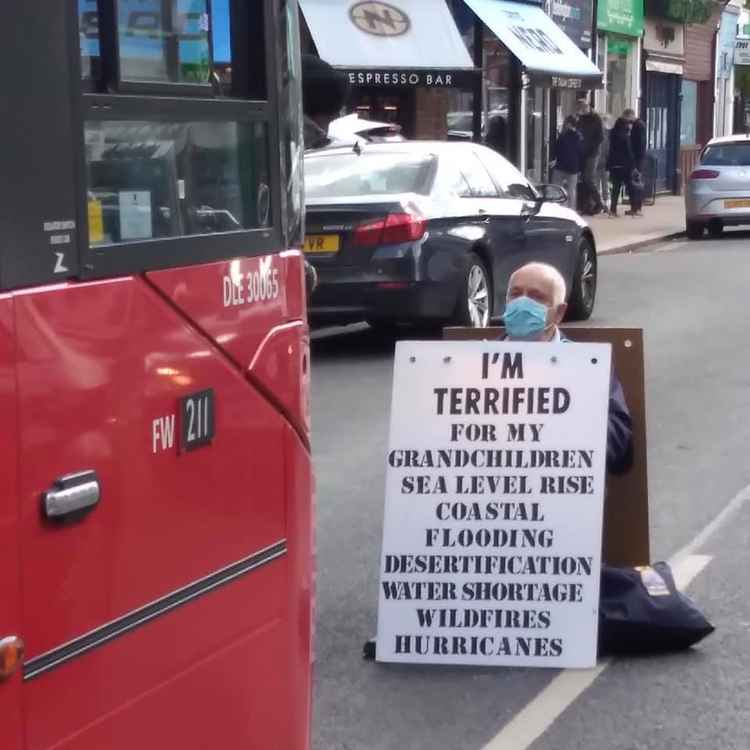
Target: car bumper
{"type": "Point", "coordinates": [398, 301]}
{"type": "Point", "coordinates": [705, 206]}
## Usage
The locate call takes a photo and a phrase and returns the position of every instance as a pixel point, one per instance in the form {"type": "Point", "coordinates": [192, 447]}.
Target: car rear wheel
{"type": "Point", "coordinates": [715, 228]}
{"type": "Point", "coordinates": [694, 230]}
{"type": "Point", "coordinates": [583, 290]}
{"type": "Point", "coordinates": [475, 296]}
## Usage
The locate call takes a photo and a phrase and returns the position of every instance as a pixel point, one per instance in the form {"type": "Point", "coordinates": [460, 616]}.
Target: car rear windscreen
{"type": "Point", "coordinates": [349, 175]}
{"type": "Point", "coordinates": [727, 155]}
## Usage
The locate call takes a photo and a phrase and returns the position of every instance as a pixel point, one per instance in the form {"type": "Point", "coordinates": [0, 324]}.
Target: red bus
{"type": "Point", "coordinates": [155, 514]}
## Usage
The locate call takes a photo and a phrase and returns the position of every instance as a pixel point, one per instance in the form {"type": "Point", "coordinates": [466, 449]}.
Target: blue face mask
{"type": "Point", "coordinates": [525, 318]}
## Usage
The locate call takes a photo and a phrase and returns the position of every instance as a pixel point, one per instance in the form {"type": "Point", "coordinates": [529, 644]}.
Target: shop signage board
{"type": "Point", "coordinates": [394, 77]}
{"type": "Point", "coordinates": [548, 55]}
{"type": "Point", "coordinates": [400, 35]}
{"type": "Point", "coordinates": [575, 17]}
{"type": "Point", "coordinates": [620, 16]}
{"type": "Point", "coordinates": [494, 500]}
{"type": "Point", "coordinates": [742, 52]}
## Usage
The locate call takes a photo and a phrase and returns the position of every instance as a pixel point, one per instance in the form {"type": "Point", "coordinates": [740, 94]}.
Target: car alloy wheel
{"type": "Point", "coordinates": [583, 289]}
{"type": "Point", "coordinates": [588, 276]}
{"type": "Point", "coordinates": [478, 297]}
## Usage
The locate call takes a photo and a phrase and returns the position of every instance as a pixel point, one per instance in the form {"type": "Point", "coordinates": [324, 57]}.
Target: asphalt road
{"type": "Point", "coordinates": [691, 300]}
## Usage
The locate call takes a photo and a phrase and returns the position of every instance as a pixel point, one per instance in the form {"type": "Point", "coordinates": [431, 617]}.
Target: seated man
{"type": "Point", "coordinates": [535, 307]}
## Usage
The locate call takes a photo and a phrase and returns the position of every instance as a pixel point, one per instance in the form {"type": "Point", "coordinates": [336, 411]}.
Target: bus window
{"type": "Point", "coordinates": [193, 44]}
{"type": "Point", "coordinates": [158, 48]}
{"type": "Point", "coordinates": [88, 30]}
{"type": "Point", "coordinates": [149, 180]}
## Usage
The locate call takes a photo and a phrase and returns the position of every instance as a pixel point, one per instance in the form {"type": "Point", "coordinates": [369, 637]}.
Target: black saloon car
{"type": "Point", "coordinates": [425, 232]}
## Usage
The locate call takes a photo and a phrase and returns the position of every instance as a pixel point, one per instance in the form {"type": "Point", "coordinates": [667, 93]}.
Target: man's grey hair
{"type": "Point", "coordinates": [559, 288]}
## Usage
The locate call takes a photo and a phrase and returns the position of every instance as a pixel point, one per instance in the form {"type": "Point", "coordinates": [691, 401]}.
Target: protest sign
{"type": "Point", "coordinates": [494, 498]}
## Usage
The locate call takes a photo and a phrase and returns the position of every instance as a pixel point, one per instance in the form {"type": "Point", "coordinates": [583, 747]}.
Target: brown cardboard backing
{"type": "Point", "coordinates": [626, 529]}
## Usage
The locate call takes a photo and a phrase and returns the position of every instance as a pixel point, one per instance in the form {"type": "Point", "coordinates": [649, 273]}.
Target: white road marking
{"type": "Point", "coordinates": [538, 715]}
{"type": "Point", "coordinates": [688, 568]}
{"type": "Point", "coordinates": [534, 720]}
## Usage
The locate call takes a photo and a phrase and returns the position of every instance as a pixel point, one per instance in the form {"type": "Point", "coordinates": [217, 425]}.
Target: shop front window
{"type": "Point", "coordinates": [535, 134]}
{"type": "Point", "coordinates": [459, 119]}
{"type": "Point", "coordinates": [619, 74]}
{"type": "Point", "coordinates": [689, 113]}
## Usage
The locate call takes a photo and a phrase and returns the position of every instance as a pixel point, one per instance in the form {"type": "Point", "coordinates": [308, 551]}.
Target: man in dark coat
{"type": "Point", "coordinates": [543, 284]}
{"type": "Point", "coordinates": [592, 131]}
{"type": "Point", "coordinates": [638, 145]}
{"type": "Point", "coordinates": [568, 160]}
{"type": "Point", "coordinates": [324, 92]}
{"type": "Point", "coordinates": [620, 162]}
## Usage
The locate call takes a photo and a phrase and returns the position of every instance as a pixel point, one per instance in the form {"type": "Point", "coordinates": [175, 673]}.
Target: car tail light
{"type": "Point", "coordinates": [390, 230]}
{"type": "Point", "coordinates": [403, 228]}
{"type": "Point", "coordinates": [704, 174]}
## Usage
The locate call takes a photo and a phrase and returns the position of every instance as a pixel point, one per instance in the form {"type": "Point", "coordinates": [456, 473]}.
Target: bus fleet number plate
{"type": "Point", "coordinates": [197, 419]}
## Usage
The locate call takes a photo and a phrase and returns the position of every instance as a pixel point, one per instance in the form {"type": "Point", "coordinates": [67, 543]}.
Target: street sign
{"type": "Point", "coordinates": [494, 500]}
{"type": "Point", "coordinates": [742, 52]}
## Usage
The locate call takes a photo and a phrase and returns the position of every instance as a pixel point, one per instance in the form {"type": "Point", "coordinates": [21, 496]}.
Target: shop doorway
{"type": "Point", "coordinates": [662, 126]}
{"type": "Point", "coordinates": [399, 107]}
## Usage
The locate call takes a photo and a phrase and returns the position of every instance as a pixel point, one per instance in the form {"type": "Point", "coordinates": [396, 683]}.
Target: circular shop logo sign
{"type": "Point", "coordinates": [379, 19]}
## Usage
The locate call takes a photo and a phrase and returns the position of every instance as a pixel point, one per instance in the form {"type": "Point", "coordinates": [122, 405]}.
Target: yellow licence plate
{"type": "Point", "coordinates": [322, 243]}
{"type": "Point", "coordinates": [743, 203]}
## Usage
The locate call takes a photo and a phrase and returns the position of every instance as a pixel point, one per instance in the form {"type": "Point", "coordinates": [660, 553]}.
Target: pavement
{"type": "Point", "coordinates": [698, 399]}
{"type": "Point", "coordinates": [664, 220]}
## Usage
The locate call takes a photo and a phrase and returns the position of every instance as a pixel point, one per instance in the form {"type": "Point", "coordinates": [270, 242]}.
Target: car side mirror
{"type": "Point", "coordinates": [553, 193]}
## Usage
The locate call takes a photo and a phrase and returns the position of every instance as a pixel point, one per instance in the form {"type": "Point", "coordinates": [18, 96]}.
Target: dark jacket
{"type": "Point", "coordinates": [591, 128]}
{"type": "Point", "coordinates": [619, 425]}
{"type": "Point", "coordinates": [638, 142]}
{"type": "Point", "coordinates": [569, 152]}
{"type": "Point", "coordinates": [619, 430]}
{"type": "Point", "coordinates": [620, 159]}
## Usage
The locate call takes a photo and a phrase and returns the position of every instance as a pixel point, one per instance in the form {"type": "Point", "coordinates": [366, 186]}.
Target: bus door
{"type": "Point", "coordinates": [155, 318]}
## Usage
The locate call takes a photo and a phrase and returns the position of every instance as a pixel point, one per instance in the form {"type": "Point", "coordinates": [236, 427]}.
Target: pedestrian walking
{"type": "Point", "coordinates": [638, 144]}
{"type": "Point", "coordinates": [620, 161]}
{"type": "Point", "coordinates": [568, 160]}
{"type": "Point", "coordinates": [602, 173]}
{"type": "Point", "coordinates": [592, 131]}
{"type": "Point", "coordinates": [497, 134]}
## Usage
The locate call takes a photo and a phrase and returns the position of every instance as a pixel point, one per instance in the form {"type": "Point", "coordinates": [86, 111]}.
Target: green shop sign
{"type": "Point", "coordinates": [620, 16]}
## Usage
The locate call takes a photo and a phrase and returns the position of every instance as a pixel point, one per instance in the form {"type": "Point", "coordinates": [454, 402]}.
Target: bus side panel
{"type": "Point", "coordinates": [102, 368]}
{"type": "Point", "coordinates": [10, 593]}
{"type": "Point", "coordinates": [300, 533]}
{"type": "Point", "coordinates": [228, 691]}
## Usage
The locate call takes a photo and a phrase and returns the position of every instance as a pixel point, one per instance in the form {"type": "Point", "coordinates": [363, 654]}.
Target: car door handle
{"type": "Point", "coordinates": [72, 496]}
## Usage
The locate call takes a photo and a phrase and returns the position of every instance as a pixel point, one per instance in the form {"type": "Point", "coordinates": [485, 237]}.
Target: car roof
{"type": "Point", "coordinates": [739, 138]}
{"type": "Point", "coordinates": [403, 147]}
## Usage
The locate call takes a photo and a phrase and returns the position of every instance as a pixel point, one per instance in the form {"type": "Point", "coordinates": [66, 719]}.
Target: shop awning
{"type": "Point", "coordinates": [548, 55]}
{"type": "Point", "coordinates": [394, 43]}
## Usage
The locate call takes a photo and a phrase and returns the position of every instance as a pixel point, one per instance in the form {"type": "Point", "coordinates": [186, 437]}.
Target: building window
{"type": "Point", "coordinates": [619, 74]}
{"type": "Point", "coordinates": [689, 113]}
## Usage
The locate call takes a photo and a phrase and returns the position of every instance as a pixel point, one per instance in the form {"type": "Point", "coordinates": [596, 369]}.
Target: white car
{"type": "Point", "coordinates": [352, 128]}
{"type": "Point", "coordinates": [718, 189]}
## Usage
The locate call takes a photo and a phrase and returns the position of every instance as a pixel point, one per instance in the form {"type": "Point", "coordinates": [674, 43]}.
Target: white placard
{"type": "Point", "coordinates": [494, 500]}
{"type": "Point", "coordinates": [135, 215]}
